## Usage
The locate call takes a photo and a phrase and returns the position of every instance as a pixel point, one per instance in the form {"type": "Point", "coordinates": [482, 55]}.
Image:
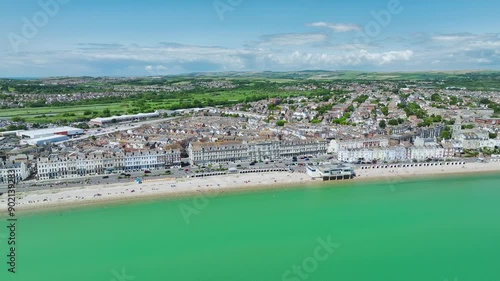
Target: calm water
{"type": "Point", "coordinates": [435, 230]}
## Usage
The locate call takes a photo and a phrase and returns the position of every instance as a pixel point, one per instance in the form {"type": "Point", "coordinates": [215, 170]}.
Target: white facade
{"type": "Point", "coordinates": [337, 145]}
{"type": "Point", "coordinates": [387, 154]}
{"type": "Point", "coordinates": [44, 140]}
{"type": "Point", "coordinates": [42, 133]}
{"type": "Point", "coordinates": [19, 170]}
{"type": "Point", "coordinates": [81, 165]}
{"type": "Point", "coordinates": [211, 153]}
{"type": "Point", "coordinates": [424, 153]}
{"type": "Point", "coordinates": [255, 151]}
{"type": "Point", "coordinates": [302, 148]}
{"type": "Point", "coordinates": [264, 150]}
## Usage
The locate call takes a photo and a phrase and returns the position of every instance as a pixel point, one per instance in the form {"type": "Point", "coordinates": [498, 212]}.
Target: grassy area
{"type": "Point", "coordinates": [147, 103]}
{"type": "Point", "coordinates": [31, 112]}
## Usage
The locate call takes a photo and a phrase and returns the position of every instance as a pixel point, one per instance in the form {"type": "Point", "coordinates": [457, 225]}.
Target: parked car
{"type": "Point", "coordinates": [147, 172]}
{"type": "Point", "coordinates": [105, 177]}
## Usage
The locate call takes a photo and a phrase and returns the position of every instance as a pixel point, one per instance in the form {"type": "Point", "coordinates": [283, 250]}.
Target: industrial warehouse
{"type": "Point", "coordinates": [50, 135]}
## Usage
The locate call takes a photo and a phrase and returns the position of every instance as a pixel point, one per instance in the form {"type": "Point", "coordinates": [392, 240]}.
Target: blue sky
{"type": "Point", "coordinates": [154, 37]}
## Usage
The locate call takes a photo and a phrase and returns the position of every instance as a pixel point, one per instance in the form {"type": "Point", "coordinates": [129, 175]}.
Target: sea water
{"type": "Point", "coordinates": [410, 230]}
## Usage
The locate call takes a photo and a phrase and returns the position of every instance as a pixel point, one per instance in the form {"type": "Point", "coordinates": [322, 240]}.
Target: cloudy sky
{"type": "Point", "coordinates": [160, 37]}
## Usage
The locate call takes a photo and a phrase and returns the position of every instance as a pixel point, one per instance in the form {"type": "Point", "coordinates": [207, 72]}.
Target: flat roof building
{"type": "Point", "coordinates": [330, 172]}
{"type": "Point", "coordinates": [45, 140]}
{"type": "Point", "coordinates": [63, 131]}
{"type": "Point", "coordinates": [123, 118]}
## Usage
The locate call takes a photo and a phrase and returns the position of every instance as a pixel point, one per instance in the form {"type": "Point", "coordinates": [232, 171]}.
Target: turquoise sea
{"type": "Point", "coordinates": [432, 230]}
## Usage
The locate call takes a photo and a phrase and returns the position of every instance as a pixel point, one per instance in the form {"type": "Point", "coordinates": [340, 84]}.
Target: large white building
{"type": "Point", "coordinates": [302, 148]}
{"type": "Point", "coordinates": [217, 152]}
{"type": "Point", "coordinates": [423, 153]}
{"type": "Point", "coordinates": [259, 150]}
{"type": "Point", "coordinates": [45, 140]}
{"type": "Point", "coordinates": [474, 140]}
{"type": "Point", "coordinates": [336, 145]}
{"type": "Point", "coordinates": [263, 150]}
{"type": "Point", "coordinates": [123, 118]}
{"type": "Point", "coordinates": [50, 132]}
{"type": "Point", "coordinates": [80, 165]}
{"type": "Point", "coordinates": [382, 154]}
{"type": "Point", "coordinates": [19, 170]}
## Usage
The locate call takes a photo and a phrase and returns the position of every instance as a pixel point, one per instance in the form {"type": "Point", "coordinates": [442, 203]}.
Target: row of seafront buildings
{"type": "Point", "coordinates": [378, 149]}
{"type": "Point", "coordinates": [76, 164]}
{"type": "Point", "coordinates": [81, 164]}
{"type": "Point", "coordinates": [243, 151]}
{"type": "Point", "coordinates": [396, 153]}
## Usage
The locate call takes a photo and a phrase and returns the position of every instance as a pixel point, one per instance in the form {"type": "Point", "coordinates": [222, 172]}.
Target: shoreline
{"type": "Point", "coordinates": [185, 188]}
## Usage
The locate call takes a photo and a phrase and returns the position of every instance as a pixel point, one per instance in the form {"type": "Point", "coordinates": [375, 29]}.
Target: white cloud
{"type": "Point", "coordinates": [156, 69]}
{"type": "Point", "coordinates": [336, 27]}
{"type": "Point", "coordinates": [276, 52]}
{"type": "Point", "coordinates": [452, 38]}
{"type": "Point", "coordinates": [299, 59]}
{"type": "Point", "coordinates": [292, 39]}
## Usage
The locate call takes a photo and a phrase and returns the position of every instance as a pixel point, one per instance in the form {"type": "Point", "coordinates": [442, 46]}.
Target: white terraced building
{"type": "Point", "coordinates": [77, 165]}
{"type": "Point", "coordinates": [20, 171]}
{"type": "Point", "coordinates": [217, 152]}
{"type": "Point", "coordinates": [387, 154]}
{"type": "Point", "coordinates": [260, 150]}
{"type": "Point", "coordinates": [264, 150]}
{"type": "Point", "coordinates": [337, 145]}
{"type": "Point", "coordinates": [150, 160]}
{"type": "Point", "coordinates": [302, 148]}
{"type": "Point", "coordinates": [425, 152]}
{"type": "Point", "coordinates": [97, 163]}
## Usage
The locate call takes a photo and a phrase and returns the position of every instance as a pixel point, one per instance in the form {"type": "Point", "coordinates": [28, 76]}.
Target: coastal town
{"type": "Point", "coordinates": [249, 140]}
{"type": "Point", "coordinates": [347, 124]}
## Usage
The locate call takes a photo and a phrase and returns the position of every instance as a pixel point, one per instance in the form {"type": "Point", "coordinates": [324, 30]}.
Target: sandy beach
{"type": "Point", "coordinates": [171, 188]}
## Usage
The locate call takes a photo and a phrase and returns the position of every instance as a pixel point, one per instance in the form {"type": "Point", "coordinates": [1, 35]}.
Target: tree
{"type": "Point", "coordinates": [484, 101]}
{"type": "Point", "coordinates": [280, 123]}
{"type": "Point", "coordinates": [436, 97]}
{"type": "Point", "coordinates": [393, 122]}
{"type": "Point", "coordinates": [385, 110]}
{"type": "Point", "coordinates": [468, 126]}
{"type": "Point", "coordinates": [445, 135]}
{"type": "Point", "coordinates": [493, 135]}
{"type": "Point", "coordinates": [106, 112]}
{"type": "Point", "coordinates": [18, 119]}
{"type": "Point", "coordinates": [382, 124]}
